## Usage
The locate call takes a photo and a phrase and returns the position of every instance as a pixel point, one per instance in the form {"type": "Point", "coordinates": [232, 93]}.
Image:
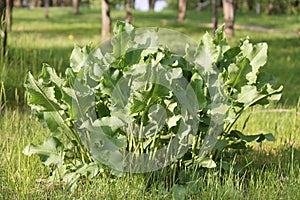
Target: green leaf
{"type": "Point", "coordinates": [178, 192]}
{"type": "Point", "coordinates": [237, 74]}
{"type": "Point", "coordinates": [112, 122]}
{"type": "Point", "coordinates": [50, 152]}
{"type": "Point", "coordinates": [211, 51]}
{"type": "Point", "coordinates": [248, 94]}
{"type": "Point", "coordinates": [269, 137]}
{"type": "Point", "coordinates": [206, 55]}
{"type": "Point", "coordinates": [269, 95]}
{"type": "Point", "coordinates": [79, 57]}
{"type": "Point", "coordinates": [197, 84]}
{"type": "Point", "coordinates": [257, 54]}
{"type": "Point", "coordinates": [42, 98]}
{"type": "Point", "coordinates": [221, 145]}
{"type": "Point", "coordinates": [49, 76]}
{"type": "Point", "coordinates": [79, 99]}
{"type": "Point", "coordinates": [250, 138]}
{"type": "Point", "coordinates": [206, 162]}
{"type": "Point", "coordinates": [123, 33]}
{"type": "Point", "coordinates": [54, 121]}
{"type": "Point", "coordinates": [172, 121]}
{"type": "Point", "coordinates": [157, 115]}
{"type": "Point", "coordinates": [103, 144]}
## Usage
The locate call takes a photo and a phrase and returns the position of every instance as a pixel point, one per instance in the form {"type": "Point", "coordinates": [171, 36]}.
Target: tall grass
{"type": "Point", "coordinates": [271, 169]}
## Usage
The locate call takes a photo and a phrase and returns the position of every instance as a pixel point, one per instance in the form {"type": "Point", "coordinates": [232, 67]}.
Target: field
{"type": "Point", "coordinates": [271, 170]}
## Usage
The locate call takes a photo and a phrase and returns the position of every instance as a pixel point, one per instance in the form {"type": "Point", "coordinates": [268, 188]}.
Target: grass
{"type": "Point", "coordinates": [272, 169]}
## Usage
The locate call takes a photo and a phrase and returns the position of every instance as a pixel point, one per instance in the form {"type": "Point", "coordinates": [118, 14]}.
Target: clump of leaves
{"type": "Point", "coordinates": [137, 105]}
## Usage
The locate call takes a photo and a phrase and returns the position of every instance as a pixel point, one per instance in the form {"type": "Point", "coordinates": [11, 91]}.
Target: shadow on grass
{"type": "Point", "coordinates": [283, 159]}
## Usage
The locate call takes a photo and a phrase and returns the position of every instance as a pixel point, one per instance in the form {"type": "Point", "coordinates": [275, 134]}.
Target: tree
{"type": "Point", "coordinates": [106, 20]}
{"type": "Point", "coordinates": [76, 6]}
{"type": "Point", "coordinates": [257, 7]}
{"type": "Point", "coordinates": [250, 4]}
{"type": "Point", "coordinates": [46, 5]}
{"type": "Point", "coordinates": [9, 8]}
{"type": "Point", "coordinates": [215, 15]}
{"type": "Point", "coordinates": [3, 27]}
{"type": "Point", "coordinates": [151, 4]}
{"type": "Point", "coordinates": [128, 4]}
{"type": "Point", "coordinates": [228, 9]}
{"type": "Point", "coordinates": [181, 10]}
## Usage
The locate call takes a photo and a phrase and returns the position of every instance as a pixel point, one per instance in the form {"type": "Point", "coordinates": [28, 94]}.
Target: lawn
{"type": "Point", "coordinates": [271, 170]}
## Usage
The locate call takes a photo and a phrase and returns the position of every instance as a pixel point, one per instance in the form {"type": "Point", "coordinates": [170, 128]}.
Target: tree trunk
{"type": "Point", "coordinates": [46, 5]}
{"type": "Point", "coordinates": [9, 8]}
{"type": "Point", "coordinates": [181, 10]}
{"type": "Point", "coordinates": [106, 21]}
{"type": "Point", "coordinates": [128, 4]}
{"type": "Point", "coordinates": [3, 27]}
{"type": "Point", "coordinates": [269, 7]}
{"type": "Point", "coordinates": [76, 6]}
{"type": "Point", "coordinates": [151, 4]}
{"type": "Point", "coordinates": [257, 7]}
{"type": "Point", "coordinates": [215, 15]}
{"type": "Point", "coordinates": [37, 3]}
{"type": "Point", "coordinates": [236, 4]}
{"type": "Point", "coordinates": [250, 4]}
{"type": "Point", "coordinates": [228, 9]}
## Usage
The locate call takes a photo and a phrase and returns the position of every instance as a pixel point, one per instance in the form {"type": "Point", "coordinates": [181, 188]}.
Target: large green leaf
{"type": "Point", "coordinates": [79, 57]}
{"type": "Point", "coordinates": [237, 74]}
{"type": "Point", "coordinates": [50, 152]}
{"type": "Point", "coordinates": [248, 94]}
{"type": "Point", "coordinates": [103, 142]}
{"type": "Point", "coordinates": [257, 54]}
{"type": "Point", "coordinates": [79, 100]}
{"type": "Point", "coordinates": [123, 35]}
{"type": "Point", "coordinates": [42, 97]}
{"type": "Point", "coordinates": [54, 121]}
{"type": "Point", "coordinates": [250, 138]}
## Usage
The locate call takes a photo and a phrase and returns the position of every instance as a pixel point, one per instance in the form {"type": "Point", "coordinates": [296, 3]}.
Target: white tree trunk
{"type": "Point", "coordinates": [75, 6]}
{"type": "Point", "coordinates": [257, 7]}
{"type": "Point", "coordinates": [106, 21]}
{"type": "Point", "coordinates": [46, 5]}
{"type": "Point", "coordinates": [181, 10]}
{"type": "Point", "coordinates": [228, 9]}
{"type": "Point", "coordinates": [128, 4]}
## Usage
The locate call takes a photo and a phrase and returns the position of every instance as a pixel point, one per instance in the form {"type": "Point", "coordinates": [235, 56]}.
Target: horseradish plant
{"type": "Point", "coordinates": [141, 103]}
